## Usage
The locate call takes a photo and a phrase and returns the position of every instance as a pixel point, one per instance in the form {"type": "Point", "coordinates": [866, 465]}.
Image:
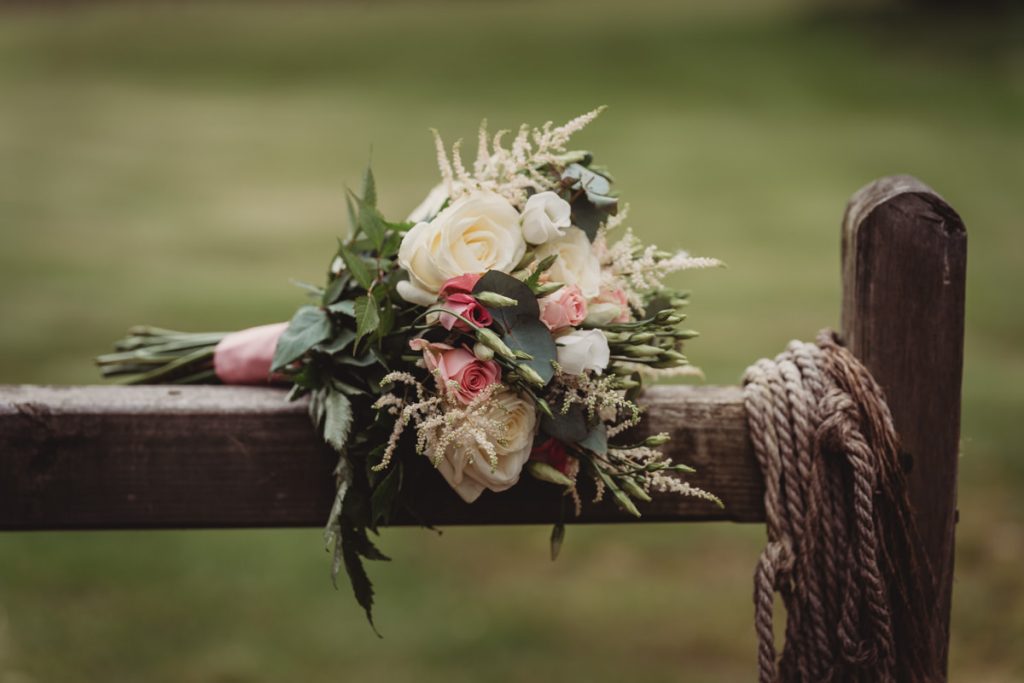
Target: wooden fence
{"type": "Point", "coordinates": [188, 457]}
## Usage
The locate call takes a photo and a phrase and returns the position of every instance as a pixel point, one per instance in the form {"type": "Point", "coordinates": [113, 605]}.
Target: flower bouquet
{"type": "Point", "coordinates": [502, 328]}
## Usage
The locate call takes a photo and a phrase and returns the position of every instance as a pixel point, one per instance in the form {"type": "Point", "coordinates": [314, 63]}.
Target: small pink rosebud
{"type": "Point", "coordinates": [460, 284]}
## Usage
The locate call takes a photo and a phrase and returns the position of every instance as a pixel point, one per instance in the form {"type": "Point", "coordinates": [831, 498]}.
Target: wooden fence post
{"type": "Point", "coordinates": [904, 255]}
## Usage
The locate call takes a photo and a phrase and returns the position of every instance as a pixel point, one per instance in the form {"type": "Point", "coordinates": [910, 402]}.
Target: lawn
{"type": "Point", "coordinates": [178, 166]}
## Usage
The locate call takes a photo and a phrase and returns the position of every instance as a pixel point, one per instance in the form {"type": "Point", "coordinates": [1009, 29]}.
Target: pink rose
{"type": "Point", "coordinates": [469, 308]}
{"type": "Point", "coordinates": [616, 297]}
{"type": "Point", "coordinates": [564, 308]}
{"type": "Point", "coordinates": [460, 284]}
{"type": "Point", "coordinates": [458, 365]}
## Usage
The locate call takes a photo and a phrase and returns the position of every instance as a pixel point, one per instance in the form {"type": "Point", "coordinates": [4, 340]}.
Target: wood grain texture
{"type": "Point", "coordinates": [904, 270]}
{"type": "Point", "coordinates": [214, 456]}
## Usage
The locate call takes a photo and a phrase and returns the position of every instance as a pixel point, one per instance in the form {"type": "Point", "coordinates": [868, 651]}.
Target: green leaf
{"type": "Point", "coordinates": [570, 428]}
{"type": "Point", "coordinates": [361, 586]}
{"type": "Point", "coordinates": [334, 289]}
{"type": "Point", "coordinates": [369, 187]}
{"type": "Point", "coordinates": [382, 501]}
{"type": "Point", "coordinates": [355, 266]}
{"type": "Point", "coordinates": [557, 536]}
{"type": "Point", "coordinates": [593, 207]}
{"type": "Point", "coordinates": [367, 317]}
{"type": "Point", "coordinates": [596, 439]}
{"type": "Point", "coordinates": [337, 419]}
{"type": "Point", "coordinates": [309, 326]}
{"type": "Point", "coordinates": [520, 324]}
{"type": "Point", "coordinates": [353, 217]}
{"type": "Point", "coordinates": [345, 307]}
{"type": "Point", "coordinates": [371, 222]}
{"type": "Point", "coordinates": [338, 343]}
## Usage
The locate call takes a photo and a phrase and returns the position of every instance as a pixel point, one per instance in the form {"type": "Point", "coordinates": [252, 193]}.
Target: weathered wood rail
{"type": "Point", "coordinates": [160, 457]}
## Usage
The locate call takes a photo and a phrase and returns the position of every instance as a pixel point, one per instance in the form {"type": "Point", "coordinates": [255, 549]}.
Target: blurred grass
{"type": "Point", "coordinates": [177, 166]}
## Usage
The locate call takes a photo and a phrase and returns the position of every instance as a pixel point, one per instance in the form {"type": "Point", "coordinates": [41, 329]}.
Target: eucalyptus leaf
{"type": "Point", "coordinates": [520, 324]}
{"type": "Point", "coordinates": [596, 440]}
{"type": "Point", "coordinates": [570, 428]}
{"type": "Point", "coordinates": [308, 327]}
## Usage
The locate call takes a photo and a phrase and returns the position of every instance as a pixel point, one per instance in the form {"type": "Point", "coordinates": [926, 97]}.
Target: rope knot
{"type": "Point", "coordinates": [843, 551]}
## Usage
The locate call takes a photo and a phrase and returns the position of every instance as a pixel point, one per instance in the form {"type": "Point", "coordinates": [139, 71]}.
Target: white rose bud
{"type": "Point", "coordinates": [583, 350]}
{"type": "Point", "coordinates": [545, 217]}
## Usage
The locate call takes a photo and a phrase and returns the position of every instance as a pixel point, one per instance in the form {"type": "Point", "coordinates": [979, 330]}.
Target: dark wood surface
{"type": "Point", "coordinates": [165, 457]}
{"type": "Point", "coordinates": [904, 269]}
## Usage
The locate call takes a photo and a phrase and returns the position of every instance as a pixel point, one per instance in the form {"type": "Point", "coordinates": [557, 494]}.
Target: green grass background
{"type": "Point", "coordinates": [177, 166]}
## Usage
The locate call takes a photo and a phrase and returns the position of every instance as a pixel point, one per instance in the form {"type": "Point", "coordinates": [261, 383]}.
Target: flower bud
{"type": "Point", "coordinates": [523, 355]}
{"type": "Point", "coordinates": [495, 300]}
{"type": "Point", "coordinates": [634, 490]}
{"type": "Point", "coordinates": [482, 352]}
{"type": "Point", "coordinates": [530, 375]}
{"type": "Point", "coordinates": [642, 351]}
{"type": "Point", "coordinates": [547, 288]}
{"type": "Point", "coordinates": [545, 472]}
{"type": "Point", "coordinates": [641, 337]}
{"type": "Point", "coordinates": [656, 440]}
{"type": "Point", "coordinates": [599, 315]}
{"type": "Point", "coordinates": [493, 341]}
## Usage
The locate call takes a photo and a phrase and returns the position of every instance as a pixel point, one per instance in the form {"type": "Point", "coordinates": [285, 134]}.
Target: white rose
{"type": "Point", "coordinates": [583, 350]}
{"type": "Point", "coordinates": [577, 264]}
{"type": "Point", "coordinates": [544, 217]}
{"type": "Point", "coordinates": [430, 206]}
{"type": "Point", "coordinates": [466, 466]}
{"type": "Point", "coordinates": [475, 234]}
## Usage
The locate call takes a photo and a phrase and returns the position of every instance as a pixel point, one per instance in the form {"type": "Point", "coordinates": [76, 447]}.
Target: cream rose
{"type": "Point", "coordinates": [475, 234]}
{"type": "Point", "coordinates": [545, 217]}
{"type": "Point", "coordinates": [466, 466]}
{"type": "Point", "coordinates": [577, 264]}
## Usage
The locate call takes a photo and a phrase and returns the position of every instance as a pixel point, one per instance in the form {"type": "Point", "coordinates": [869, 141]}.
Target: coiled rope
{"type": "Point", "coordinates": [843, 551]}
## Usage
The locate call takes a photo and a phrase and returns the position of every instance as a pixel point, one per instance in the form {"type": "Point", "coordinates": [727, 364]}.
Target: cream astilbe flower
{"type": "Point", "coordinates": [482, 445]}
{"type": "Point", "coordinates": [513, 172]}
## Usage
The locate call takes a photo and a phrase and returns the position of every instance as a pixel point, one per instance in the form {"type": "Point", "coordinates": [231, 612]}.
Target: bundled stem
{"type": "Point", "coordinates": [153, 355]}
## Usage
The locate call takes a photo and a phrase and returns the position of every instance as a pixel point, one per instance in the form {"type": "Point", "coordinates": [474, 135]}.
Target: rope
{"type": "Point", "coordinates": [842, 552]}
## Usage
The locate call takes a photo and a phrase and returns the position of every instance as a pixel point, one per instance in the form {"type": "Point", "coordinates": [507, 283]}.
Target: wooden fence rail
{"type": "Point", "coordinates": [158, 457]}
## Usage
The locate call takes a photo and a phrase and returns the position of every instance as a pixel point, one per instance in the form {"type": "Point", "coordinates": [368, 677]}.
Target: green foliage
{"type": "Point", "coordinates": [367, 316]}
{"type": "Point", "coordinates": [520, 324]}
{"type": "Point", "coordinates": [337, 421]}
{"type": "Point", "coordinates": [309, 326]}
{"type": "Point", "coordinates": [592, 201]}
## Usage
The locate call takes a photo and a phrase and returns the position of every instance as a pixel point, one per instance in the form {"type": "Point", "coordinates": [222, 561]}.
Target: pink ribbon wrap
{"type": "Point", "coordinates": [245, 357]}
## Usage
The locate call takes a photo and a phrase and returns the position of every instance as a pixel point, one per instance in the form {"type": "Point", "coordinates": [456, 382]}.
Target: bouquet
{"type": "Point", "coordinates": [506, 327]}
